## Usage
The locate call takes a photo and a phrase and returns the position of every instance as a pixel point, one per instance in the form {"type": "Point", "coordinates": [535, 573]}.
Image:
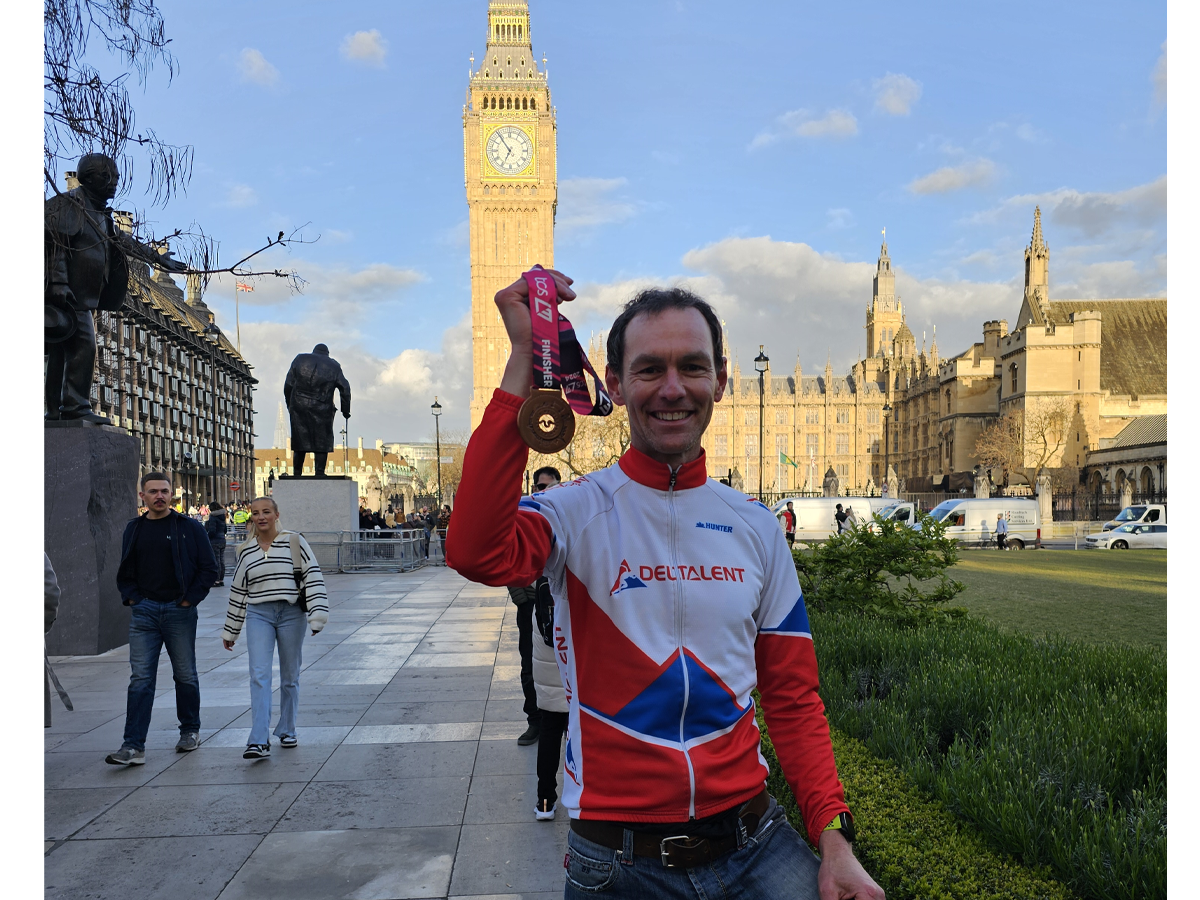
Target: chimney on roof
{"type": "Point", "coordinates": [379, 444]}
{"type": "Point", "coordinates": [123, 220]}
{"type": "Point", "coordinates": [360, 446]}
{"type": "Point", "coordinates": [71, 179]}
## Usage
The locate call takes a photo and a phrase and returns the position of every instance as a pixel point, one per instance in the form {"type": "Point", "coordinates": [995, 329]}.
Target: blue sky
{"type": "Point", "coordinates": [753, 150]}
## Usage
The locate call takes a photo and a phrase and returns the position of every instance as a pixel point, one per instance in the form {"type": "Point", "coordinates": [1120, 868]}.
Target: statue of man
{"type": "Point", "coordinates": [86, 270]}
{"type": "Point", "coordinates": [308, 391]}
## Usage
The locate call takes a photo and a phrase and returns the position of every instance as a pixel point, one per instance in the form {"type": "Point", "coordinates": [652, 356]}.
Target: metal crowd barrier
{"type": "Point", "coordinates": [363, 551]}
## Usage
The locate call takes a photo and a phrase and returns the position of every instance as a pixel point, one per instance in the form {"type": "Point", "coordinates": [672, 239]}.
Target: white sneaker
{"type": "Point", "coordinates": [544, 811]}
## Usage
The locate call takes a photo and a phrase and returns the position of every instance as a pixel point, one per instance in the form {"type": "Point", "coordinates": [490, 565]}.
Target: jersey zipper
{"type": "Point", "coordinates": [679, 604]}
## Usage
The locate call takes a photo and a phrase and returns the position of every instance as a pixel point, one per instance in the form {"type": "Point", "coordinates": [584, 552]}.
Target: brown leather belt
{"type": "Point", "coordinates": [679, 851]}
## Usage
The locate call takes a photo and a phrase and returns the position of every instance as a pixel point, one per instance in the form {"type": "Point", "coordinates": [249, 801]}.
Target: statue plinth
{"type": "Point", "coordinates": [310, 505]}
{"type": "Point", "coordinates": [91, 473]}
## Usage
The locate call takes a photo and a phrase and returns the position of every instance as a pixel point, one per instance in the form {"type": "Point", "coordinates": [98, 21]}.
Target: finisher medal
{"type": "Point", "coordinates": [546, 421]}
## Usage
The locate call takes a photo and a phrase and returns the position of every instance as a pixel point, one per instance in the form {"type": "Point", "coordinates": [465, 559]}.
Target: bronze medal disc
{"type": "Point", "coordinates": [546, 421]}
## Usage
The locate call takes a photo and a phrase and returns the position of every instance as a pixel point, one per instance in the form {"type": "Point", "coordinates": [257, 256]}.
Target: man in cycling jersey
{"type": "Point", "coordinates": [675, 597]}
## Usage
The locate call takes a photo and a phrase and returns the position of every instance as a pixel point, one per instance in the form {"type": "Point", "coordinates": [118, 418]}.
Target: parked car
{"type": "Point", "coordinates": [972, 520]}
{"type": "Point", "coordinates": [1148, 513]}
{"type": "Point", "coordinates": [1130, 536]}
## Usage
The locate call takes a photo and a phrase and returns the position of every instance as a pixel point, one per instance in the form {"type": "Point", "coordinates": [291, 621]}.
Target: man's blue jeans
{"type": "Point", "coordinates": [269, 624]}
{"type": "Point", "coordinates": [775, 863]}
{"type": "Point", "coordinates": [151, 625]}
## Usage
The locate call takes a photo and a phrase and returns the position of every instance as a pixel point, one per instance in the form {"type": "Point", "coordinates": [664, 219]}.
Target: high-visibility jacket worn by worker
{"type": "Point", "coordinates": [675, 596]}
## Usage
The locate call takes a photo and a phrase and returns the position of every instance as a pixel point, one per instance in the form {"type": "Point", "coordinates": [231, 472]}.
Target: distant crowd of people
{"type": "Point", "coordinates": [429, 521]}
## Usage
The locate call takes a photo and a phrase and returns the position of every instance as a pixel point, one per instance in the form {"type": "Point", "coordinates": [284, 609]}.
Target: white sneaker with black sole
{"type": "Point", "coordinates": [257, 751]}
{"type": "Point", "coordinates": [544, 811]}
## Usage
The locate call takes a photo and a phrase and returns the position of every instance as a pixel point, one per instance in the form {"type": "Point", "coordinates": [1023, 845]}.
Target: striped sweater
{"type": "Point", "coordinates": [262, 577]}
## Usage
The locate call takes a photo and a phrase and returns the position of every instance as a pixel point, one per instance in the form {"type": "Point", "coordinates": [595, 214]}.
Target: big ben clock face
{"type": "Point", "coordinates": [509, 150]}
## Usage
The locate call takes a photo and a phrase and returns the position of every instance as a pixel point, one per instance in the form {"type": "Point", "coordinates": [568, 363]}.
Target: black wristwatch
{"type": "Point", "coordinates": [844, 823]}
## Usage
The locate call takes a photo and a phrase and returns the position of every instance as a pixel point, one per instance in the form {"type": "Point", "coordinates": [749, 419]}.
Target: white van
{"type": "Point", "coordinates": [1149, 513]}
{"type": "Point", "coordinates": [902, 511]}
{"type": "Point", "coordinates": [973, 520]}
{"type": "Point", "coordinates": [814, 515]}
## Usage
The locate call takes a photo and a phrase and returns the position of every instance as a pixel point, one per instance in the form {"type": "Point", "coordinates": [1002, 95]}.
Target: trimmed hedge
{"type": "Point", "coordinates": [1054, 750]}
{"type": "Point", "coordinates": [911, 845]}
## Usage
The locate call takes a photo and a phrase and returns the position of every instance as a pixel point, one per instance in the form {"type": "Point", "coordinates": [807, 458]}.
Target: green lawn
{"type": "Point", "coordinates": [1095, 595]}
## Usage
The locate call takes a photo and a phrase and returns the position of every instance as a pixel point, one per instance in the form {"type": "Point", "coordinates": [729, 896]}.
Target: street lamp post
{"type": "Point", "coordinates": [437, 433]}
{"type": "Point", "coordinates": [887, 411]}
{"type": "Point", "coordinates": [760, 366]}
{"type": "Point", "coordinates": [212, 334]}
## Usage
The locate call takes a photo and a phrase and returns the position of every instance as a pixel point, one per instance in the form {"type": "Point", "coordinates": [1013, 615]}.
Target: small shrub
{"type": "Point", "coordinates": [887, 570]}
{"type": "Point", "coordinates": [911, 845]}
{"type": "Point", "coordinates": [1055, 750]}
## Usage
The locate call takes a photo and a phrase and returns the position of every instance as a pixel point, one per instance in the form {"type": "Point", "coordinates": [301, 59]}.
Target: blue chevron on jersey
{"type": "Point", "coordinates": [526, 503]}
{"type": "Point", "coordinates": [657, 711]}
{"type": "Point", "coordinates": [794, 623]}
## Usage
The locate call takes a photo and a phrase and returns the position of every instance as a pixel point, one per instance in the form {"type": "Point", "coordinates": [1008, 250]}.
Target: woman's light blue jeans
{"type": "Point", "coordinates": [267, 625]}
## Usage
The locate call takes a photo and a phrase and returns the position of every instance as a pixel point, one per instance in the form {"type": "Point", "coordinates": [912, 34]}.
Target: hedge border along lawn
{"type": "Point", "coordinates": [911, 845]}
{"type": "Point", "coordinates": [1055, 750]}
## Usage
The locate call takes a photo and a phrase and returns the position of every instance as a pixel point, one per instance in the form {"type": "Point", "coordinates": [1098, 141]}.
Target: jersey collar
{"type": "Point", "coordinates": [653, 474]}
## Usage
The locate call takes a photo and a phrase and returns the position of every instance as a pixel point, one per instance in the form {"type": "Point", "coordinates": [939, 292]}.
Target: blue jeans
{"type": "Point", "coordinates": [269, 624]}
{"type": "Point", "coordinates": [775, 863]}
{"type": "Point", "coordinates": [151, 625]}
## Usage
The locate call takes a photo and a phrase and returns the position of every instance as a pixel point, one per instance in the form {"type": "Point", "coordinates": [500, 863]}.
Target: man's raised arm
{"type": "Point", "coordinates": [492, 541]}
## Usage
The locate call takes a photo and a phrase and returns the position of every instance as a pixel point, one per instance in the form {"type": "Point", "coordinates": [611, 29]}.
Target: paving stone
{"type": "Point", "coordinates": [224, 765]}
{"type": "Point", "coordinates": [507, 710]}
{"type": "Point", "coordinates": [351, 762]}
{"type": "Point", "coordinates": [107, 738]}
{"type": "Point", "coordinates": [66, 811]}
{"type": "Point", "coordinates": [409, 734]}
{"type": "Point", "coordinates": [421, 712]}
{"type": "Point", "coordinates": [310, 715]}
{"type": "Point", "coordinates": [78, 722]}
{"type": "Point", "coordinates": [329, 735]}
{"type": "Point", "coordinates": [439, 660]}
{"type": "Point", "coordinates": [196, 809]}
{"type": "Point", "coordinates": [357, 864]}
{"type": "Point", "coordinates": [89, 770]}
{"type": "Point", "coordinates": [512, 858]}
{"type": "Point", "coordinates": [379, 803]}
{"type": "Point", "coordinates": [501, 798]}
{"type": "Point", "coordinates": [505, 758]}
{"type": "Point", "coordinates": [179, 868]}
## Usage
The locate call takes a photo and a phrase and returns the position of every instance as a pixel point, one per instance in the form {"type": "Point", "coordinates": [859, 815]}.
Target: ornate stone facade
{"type": "Point", "coordinates": [509, 156]}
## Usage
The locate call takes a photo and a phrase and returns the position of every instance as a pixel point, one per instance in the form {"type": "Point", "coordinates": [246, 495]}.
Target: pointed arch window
{"type": "Point", "coordinates": [533, 103]}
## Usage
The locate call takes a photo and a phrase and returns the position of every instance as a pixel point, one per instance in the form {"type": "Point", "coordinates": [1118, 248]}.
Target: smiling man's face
{"type": "Point", "coordinates": [669, 384]}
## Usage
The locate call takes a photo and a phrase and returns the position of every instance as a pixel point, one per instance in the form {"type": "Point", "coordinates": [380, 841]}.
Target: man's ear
{"type": "Point", "coordinates": [722, 379]}
{"type": "Point", "coordinates": [613, 383]}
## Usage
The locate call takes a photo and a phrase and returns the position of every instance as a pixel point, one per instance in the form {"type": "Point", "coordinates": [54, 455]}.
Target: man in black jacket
{"type": "Point", "coordinates": [167, 567]}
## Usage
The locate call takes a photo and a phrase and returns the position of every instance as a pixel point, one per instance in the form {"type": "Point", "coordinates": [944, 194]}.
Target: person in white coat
{"type": "Point", "coordinates": [551, 701]}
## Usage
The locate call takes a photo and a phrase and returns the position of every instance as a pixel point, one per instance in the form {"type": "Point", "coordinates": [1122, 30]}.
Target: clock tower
{"type": "Point", "coordinates": [509, 149]}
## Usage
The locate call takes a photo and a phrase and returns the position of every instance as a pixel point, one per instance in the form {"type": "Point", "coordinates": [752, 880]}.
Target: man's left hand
{"type": "Point", "coordinates": [841, 876]}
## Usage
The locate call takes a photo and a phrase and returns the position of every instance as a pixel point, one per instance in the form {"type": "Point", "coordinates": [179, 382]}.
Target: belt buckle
{"type": "Point", "coordinates": [665, 851]}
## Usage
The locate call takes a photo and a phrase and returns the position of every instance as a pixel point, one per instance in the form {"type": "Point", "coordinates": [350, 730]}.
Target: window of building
{"type": "Point", "coordinates": [751, 445]}
{"type": "Point", "coordinates": [721, 445]}
{"type": "Point", "coordinates": [843, 444]}
{"type": "Point", "coordinates": [811, 443]}
{"type": "Point", "coordinates": [750, 417]}
{"type": "Point", "coordinates": [843, 470]}
{"type": "Point", "coordinates": [843, 416]}
{"type": "Point", "coordinates": [721, 417]}
{"type": "Point", "coordinates": [780, 417]}
{"type": "Point", "coordinates": [1013, 370]}
{"type": "Point", "coordinates": [872, 417]}
{"type": "Point", "coordinates": [872, 443]}
{"type": "Point", "coordinates": [812, 417]}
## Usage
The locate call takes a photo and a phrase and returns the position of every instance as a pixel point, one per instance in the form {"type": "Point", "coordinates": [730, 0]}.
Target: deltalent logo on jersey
{"type": "Point", "coordinates": [627, 580]}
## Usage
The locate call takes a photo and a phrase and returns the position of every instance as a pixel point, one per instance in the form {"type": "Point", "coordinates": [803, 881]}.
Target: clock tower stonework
{"type": "Point", "coordinates": [509, 150]}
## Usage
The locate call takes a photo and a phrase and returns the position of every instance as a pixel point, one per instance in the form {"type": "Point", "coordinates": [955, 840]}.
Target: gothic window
{"type": "Point", "coordinates": [843, 444]}
{"type": "Point", "coordinates": [810, 445]}
{"type": "Point", "coordinates": [524, 103]}
{"type": "Point", "coordinates": [1013, 369]}
{"type": "Point", "coordinates": [843, 470]}
{"type": "Point", "coordinates": [843, 416]}
{"type": "Point", "coordinates": [872, 417]}
{"type": "Point", "coordinates": [721, 417]}
{"type": "Point", "coordinates": [749, 417]}
{"type": "Point", "coordinates": [721, 445]}
{"type": "Point", "coordinates": [751, 445]}
{"type": "Point", "coordinates": [508, 62]}
{"type": "Point", "coordinates": [780, 417]}
{"type": "Point", "coordinates": [533, 190]}
{"type": "Point", "coordinates": [487, 188]}
{"type": "Point", "coordinates": [533, 103]}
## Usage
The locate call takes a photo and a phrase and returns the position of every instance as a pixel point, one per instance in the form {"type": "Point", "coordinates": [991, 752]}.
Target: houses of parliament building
{"type": "Point", "coordinates": [898, 407]}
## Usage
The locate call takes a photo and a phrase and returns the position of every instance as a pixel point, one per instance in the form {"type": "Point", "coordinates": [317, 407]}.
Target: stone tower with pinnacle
{"type": "Point", "coordinates": [281, 428]}
{"type": "Point", "coordinates": [885, 315]}
{"type": "Point", "coordinates": [1036, 307]}
{"type": "Point", "coordinates": [509, 155]}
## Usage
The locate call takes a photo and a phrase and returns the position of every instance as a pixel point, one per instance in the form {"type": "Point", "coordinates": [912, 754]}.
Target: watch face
{"type": "Point", "coordinates": [509, 150]}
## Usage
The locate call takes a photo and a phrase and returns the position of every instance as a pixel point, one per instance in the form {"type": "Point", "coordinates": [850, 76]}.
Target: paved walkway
{"type": "Point", "coordinates": [408, 781]}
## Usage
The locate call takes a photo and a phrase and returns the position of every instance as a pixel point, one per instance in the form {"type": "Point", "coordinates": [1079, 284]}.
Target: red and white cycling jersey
{"type": "Point", "coordinates": [675, 596]}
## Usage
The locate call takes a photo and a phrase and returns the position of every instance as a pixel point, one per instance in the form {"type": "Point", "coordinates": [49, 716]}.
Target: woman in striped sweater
{"type": "Point", "coordinates": [263, 596]}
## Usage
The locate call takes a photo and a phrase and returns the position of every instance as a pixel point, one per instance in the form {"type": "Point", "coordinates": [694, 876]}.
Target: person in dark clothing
{"type": "Point", "coordinates": [216, 528]}
{"type": "Point", "coordinates": [167, 568]}
{"type": "Point", "coordinates": [839, 519]}
{"type": "Point", "coordinates": [524, 596]}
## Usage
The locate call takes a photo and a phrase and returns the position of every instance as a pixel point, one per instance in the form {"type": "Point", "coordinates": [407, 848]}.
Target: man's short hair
{"type": "Point", "coordinates": [153, 476]}
{"type": "Point", "coordinates": [547, 470]}
{"type": "Point", "coordinates": [652, 302]}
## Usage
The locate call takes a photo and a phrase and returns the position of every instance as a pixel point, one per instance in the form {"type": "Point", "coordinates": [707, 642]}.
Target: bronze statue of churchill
{"type": "Point", "coordinates": [308, 390]}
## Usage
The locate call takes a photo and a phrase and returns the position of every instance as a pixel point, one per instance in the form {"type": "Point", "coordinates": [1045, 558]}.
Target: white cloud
{"type": "Point", "coordinates": [254, 68]}
{"type": "Point", "coordinates": [954, 178]}
{"type": "Point", "coordinates": [586, 203]}
{"type": "Point", "coordinates": [896, 94]}
{"type": "Point", "coordinates": [1091, 213]}
{"type": "Point", "coordinates": [1159, 77]}
{"type": "Point", "coordinates": [795, 300]}
{"type": "Point", "coordinates": [836, 123]}
{"type": "Point", "coordinates": [839, 218]}
{"type": "Point", "coordinates": [351, 290]}
{"type": "Point", "coordinates": [368, 47]}
{"type": "Point", "coordinates": [1029, 134]}
{"type": "Point", "coordinates": [241, 196]}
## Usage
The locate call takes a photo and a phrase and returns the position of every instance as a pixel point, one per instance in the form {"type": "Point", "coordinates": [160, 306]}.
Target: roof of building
{"type": "Point", "coordinates": [1141, 431]}
{"type": "Point", "coordinates": [1133, 342]}
{"type": "Point", "coordinates": [370, 457]}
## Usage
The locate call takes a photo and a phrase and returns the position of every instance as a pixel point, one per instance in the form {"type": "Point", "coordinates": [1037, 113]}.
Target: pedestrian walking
{"type": "Point", "coordinates": [839, 519]}
{"type": "Point", "coordinates": [1001, 532]}
{"type": "Point", "coordinates": [277, 592]}
{"type": "Point", "coordinates": [789, 524]}
{"type": "Point", "coordinates": [166, 569]}
{"type": "Point", "coordinates": [524, 596]}
{"type": "Point", "coordinates": [216, 528]}
{"type": "Point", "coordinates": [551, 703]}
{"type": "Point", "coordinates": [665, 786]}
